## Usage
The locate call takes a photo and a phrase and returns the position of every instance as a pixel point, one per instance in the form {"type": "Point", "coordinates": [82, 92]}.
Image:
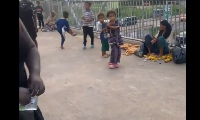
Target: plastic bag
{"type": "Point", "coordinates": [31, 106]}
{"type": "Point", "coordinates": [179, 55]}
{"type": "Point", "coordinates": [141, 51]}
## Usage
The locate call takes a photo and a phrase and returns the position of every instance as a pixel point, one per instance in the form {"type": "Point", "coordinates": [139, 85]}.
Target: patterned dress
{"type": "Point", "coordinates": [115, 41]}
{"type": "Point", "coordinates": [49, 23]}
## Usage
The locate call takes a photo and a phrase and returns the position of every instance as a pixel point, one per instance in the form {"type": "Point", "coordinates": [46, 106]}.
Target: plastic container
{"type": "Point", "coordinates": [31, 106]}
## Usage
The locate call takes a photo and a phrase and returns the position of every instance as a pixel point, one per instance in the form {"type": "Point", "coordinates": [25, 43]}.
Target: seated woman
{"type": "Point", "coordinates": [158, 45]}
{"type": "Point", "coordinates": [50, 23]}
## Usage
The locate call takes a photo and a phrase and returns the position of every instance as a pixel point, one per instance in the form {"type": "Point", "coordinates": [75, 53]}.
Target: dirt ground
{"type": "Point", "coordinates": [79, 85]}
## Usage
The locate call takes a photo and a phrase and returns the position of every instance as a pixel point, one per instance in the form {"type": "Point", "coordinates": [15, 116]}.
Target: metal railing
{"type": "Point", "coordinates": [137, 17]}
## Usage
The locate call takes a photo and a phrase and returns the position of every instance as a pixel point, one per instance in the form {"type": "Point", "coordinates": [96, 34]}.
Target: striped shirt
{"type": "Point", "coordinates": [88, 15]}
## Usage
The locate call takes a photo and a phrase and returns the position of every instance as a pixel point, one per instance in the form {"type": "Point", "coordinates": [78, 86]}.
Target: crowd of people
{"type": "Point", "coordinates": [109, 36]}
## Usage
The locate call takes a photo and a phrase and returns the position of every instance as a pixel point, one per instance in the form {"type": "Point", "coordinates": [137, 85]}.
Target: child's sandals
{"type": "Point", "coordinates": [145, 59]}
{"type": "Point", "coordinates": [112, 66]}
{"type": "Point", "coordinates": [106, 55]}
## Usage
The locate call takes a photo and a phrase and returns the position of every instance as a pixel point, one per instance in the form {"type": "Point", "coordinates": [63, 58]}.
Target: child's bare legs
{"type": "Point", "coordinates": [35, 41]}
{"type": "Point", "coordinates": [113, 62]}
{"type": "Point", "coordinates": [148, 43]}
{"type": "Point", "coordinates": [62, 40]}
{"type": "Point", "coordinates": [104, 54]}
{"type": "Point", "coordinates": [161, 52]}
{"type": "Point", "coordinates": [160, 44]}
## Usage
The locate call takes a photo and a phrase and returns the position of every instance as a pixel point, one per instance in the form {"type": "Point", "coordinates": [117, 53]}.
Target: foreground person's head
{"type": "Point", "coordinates": [112, 15]}
{"type": "Point", "coordinates": [65, 14]}
{"type": "Point", "coordinates": [164, 25]}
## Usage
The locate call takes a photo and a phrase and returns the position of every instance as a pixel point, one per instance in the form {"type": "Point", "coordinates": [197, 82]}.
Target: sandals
{"type": "Point", "coordinates": [145, 59]}
{"type": "Point", "coordinates": [106, 55]}
{"type": "Point", "coordinates": [112, 66]}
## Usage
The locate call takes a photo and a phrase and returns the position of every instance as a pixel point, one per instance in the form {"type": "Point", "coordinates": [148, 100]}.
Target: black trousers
{"type": "Point", "coordinates": [40, 20]}
{"type": "Point", "coordinates": [88, 31]}
{"type": "Point", "coordinates": [31, 115]}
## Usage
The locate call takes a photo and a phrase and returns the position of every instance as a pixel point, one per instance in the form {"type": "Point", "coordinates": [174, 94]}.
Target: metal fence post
{"type": "Point", "coordinates": [142, 19]}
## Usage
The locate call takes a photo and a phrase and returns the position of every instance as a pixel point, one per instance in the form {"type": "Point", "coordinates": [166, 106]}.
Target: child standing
{"type": "Point", "coordinates": [39, 11]}
{"type": "Point", "coordinates": [114, 40]}
{"type": "Point", "coordinates": [103, 35]}
{"type": "Point", "coordinates": [63, 26]}
{"type": "Point", "coordinates": [88, 18]}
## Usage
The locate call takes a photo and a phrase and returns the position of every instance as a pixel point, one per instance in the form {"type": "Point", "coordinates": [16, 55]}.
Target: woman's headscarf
{"type": "Point", "coordinates": [53, 12]}
{"type": "Point", "coordinates": [51, 20]}
{"type": "Point", "coordinates": [166, 24]}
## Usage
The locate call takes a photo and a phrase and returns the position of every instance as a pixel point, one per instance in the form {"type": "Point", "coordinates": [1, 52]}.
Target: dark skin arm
{"type": "Point", "coordinates": [154, 40]}
{"type": "Point", "coordinates": [104, 29]}
{"type": "Point", "coordinates": [32, 61]}
{"type": "Point", "coordinates": [33, 57]}
{"type": "Point", "coordinates": [163, 34]}
{"type": "Point", "coordinates": [42, 9]}
{"type": "Point", "coordinates": [35, 21]}
{"type": "Point", "coordinates": [34, 17]}
{"type": "Point", "coordinates": [90, 20]}
{"type": "Point", "coordinates": [87, 20]}
{"type": "Point", "coordinates": [112, 27]}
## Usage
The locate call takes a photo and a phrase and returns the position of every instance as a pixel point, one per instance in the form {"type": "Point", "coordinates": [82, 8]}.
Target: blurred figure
{"type": "Point", "coordinates": [103, 35]}
{"type": "Point", "coordinates": [63, 26]}
{"type": "Point", "coordinates": [50, 23]}
{"type": "Point", "coordinates": [28, 17]}
{"type": "Point", "coordinates": [39, 11]}
{"type": "Point", "coordinates": [88, 18]}
{"type": "Point", "coordinates": [33, 86]}
{"type": "Point", "coordinates": [114, 40]}
{"type": "Point", "coordinates": [158, 45]}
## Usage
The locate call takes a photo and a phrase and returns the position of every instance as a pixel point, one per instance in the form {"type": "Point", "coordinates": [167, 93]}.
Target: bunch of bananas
{"type": "Point", "coordinates": [167, 58]}
{"type": "Point", "coordinates": [130, 48]}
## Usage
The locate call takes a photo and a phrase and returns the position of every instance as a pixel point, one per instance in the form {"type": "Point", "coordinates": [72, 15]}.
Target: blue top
{"type": "Point", "coordinates": [62, 23]}
{"type": "Point", "coordinates": [103, 35]}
